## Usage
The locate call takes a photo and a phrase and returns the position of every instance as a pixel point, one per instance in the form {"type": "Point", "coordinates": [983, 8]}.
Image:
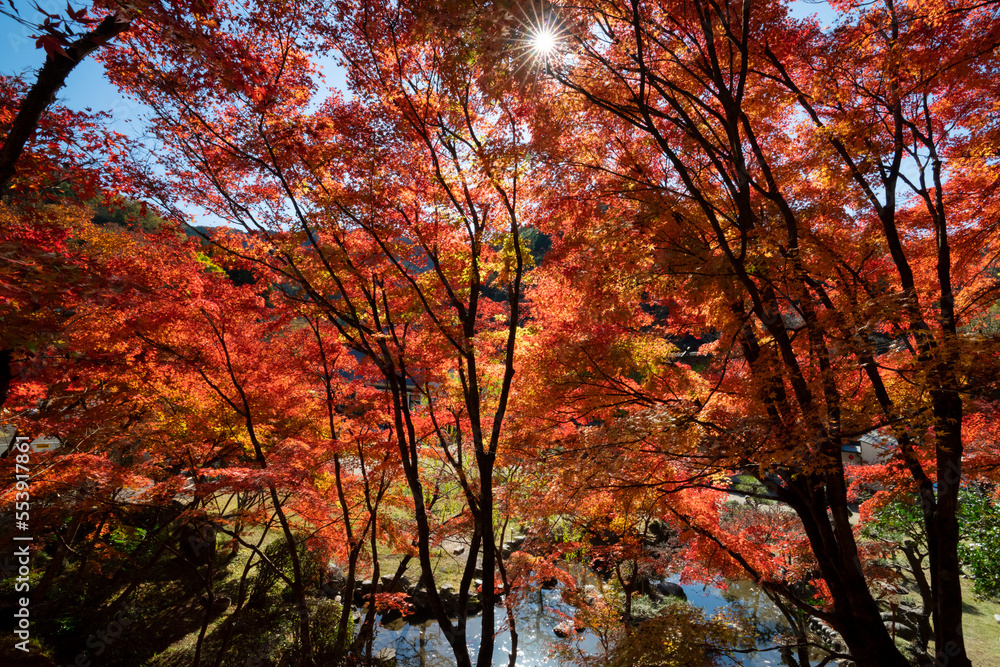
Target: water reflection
{"type": "Point", "coordinates": [425, 646]}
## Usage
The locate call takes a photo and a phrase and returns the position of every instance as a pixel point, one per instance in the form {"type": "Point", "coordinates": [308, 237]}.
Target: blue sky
{"type": "Point", "coordinates": [87, 87]}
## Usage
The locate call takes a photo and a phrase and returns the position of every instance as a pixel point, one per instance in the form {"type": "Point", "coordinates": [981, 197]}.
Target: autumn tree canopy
{"type": "Point", "coordinates": [770, 239]}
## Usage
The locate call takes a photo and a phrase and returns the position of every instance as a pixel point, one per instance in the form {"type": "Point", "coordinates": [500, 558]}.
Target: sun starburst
{"type": "Point", "coordinates": [540, 37]}
{"type": "Point", "coordinates": [543, 42]}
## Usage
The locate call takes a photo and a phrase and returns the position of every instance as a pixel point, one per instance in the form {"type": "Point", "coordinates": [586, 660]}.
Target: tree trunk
{"type": "Point", "coordinates": [6, 375]}
{"type": "Point", "coordinates": [942, 533]}
{"type": "Point", "coordinates": [926, 598]}
{"type": "Point", "coordinates": [487, 638]}
{"type": "Point", "coordinates": [855, 614]}
{"type": "Point", "coordinates": [51, 78]}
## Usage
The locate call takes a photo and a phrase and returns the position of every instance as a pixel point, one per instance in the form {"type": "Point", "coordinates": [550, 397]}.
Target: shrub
{"type": "Point", "coordinates": [979, 550]}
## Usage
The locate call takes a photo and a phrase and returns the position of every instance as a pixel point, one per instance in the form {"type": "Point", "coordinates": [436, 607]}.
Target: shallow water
{"type": "Point", "coordinates": [425, 645]}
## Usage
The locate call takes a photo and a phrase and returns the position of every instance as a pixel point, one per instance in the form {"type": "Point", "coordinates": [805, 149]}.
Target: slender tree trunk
{"type": "Point", "coordinates": [298, 587]}
{"type": "Point", "coordinates": [508, 605]}
{"type": "Point", "coordinates": [943, 536]}
{"type": "Point", "coordinates": [488, 638]}
{"type": "Point", "coordinates": [455, 635]}
{"type": "Point", "coordinates": [406, 441]}
{"type": "Point", "coordinates": [210, 603]}
{"type": "Point", "coordinates": [926, 598]}
{"type": "Point", "coordinates": [367, 632]}
{"type": "Point", "coordinates": [347, 603]}
{"type": "Point", "coordinates": [855, 614]}
{"type": "Point", "coordinates": [6, 374]}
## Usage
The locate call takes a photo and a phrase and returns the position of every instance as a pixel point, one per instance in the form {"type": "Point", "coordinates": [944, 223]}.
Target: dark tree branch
{"type": "Point", "coordinates": [51, 78]}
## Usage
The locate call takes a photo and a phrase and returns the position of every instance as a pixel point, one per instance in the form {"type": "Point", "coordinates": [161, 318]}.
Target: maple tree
{"type": "Point", "coordinates": [45, 142]}
{"type": "Point", "coordinates": [196, 397]}
{"type": "Point", "coordinates": [65, 48]}
{"type": "Point", "coordinates": [397, 220]}
{"type": "Point", "coordinates": [129, 378]}
{"type": "Point", "coordinates": [796, 193]}
{"type": "Point", "coordinates": [42, 276]}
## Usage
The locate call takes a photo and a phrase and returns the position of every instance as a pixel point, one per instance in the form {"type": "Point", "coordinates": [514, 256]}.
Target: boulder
{"type": "Point", "coordinates": [564, 630]}
{"type": "Point", "coordinates": [385, 658]}
{"type": "Point", "coordinates": [512, 545]}
{"type": "Point", "coordinates": [670, 589]}
{"type": "Point", "coordinates": [658, 533]}
{"type": "Point", "coordinates": [419, 598]}
{"type": "Point", "coordinates": [389, 586]}
{"type": "Point", "coordinates": [395, 624]}
{"type": "Point", "coordinates": [827, 634]}
{"type": "Point", "coordinates": [336, 581]}
{"type": "Point", "coordinates": [335, 574]}
{"type": "Point", "coordinates": [363, 590]}
{"type": "Point", "coordinates": [392, 619]}
{"type": "Point", "coordinates": [567, 628]}
{"type": "Point", "coordinates": [911, 615]}
{"type": "Point", "coordinates": [901, 631]}
{"type": "Point", "coordinates": [449, 599]}
{"type": "Point", "coordinates": [420, 606]}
